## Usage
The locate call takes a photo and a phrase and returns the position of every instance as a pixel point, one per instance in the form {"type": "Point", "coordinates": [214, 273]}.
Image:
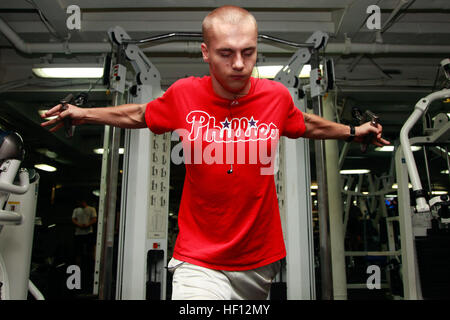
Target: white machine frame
{"type": "Point", "coordinates": [406, 167]}
{"type": "Point", "coordinates": [16, 231]}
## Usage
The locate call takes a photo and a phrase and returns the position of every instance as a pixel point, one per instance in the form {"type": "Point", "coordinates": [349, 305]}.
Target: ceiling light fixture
{"type": "Point", "coordinates": [442, 150]}
{"type": "Point", "coordinates": [438, 193]}
{"type": "Point", "coordinates": [270, 71]}
{"type": "Point", "coordinates": [391, 148]}
{"type": "Point", "coordinates": [68, 71]}
{"type": "Point", "coordinates": [354, 171]}
{"type": "Point", "coordinates": [101, 150]}
{"type": "Point", "coordinates": [45, 167]}
{"type": "Point", "coordinates": [395, 186]}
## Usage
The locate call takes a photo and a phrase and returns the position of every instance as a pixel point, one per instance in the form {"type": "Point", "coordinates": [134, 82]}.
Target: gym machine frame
{"type": "Point", "coordinates": [406, 166]}
{"type": "Point", "coordinates": [145, 181]}
{"type": "Point", "coordinates": [17, 215]}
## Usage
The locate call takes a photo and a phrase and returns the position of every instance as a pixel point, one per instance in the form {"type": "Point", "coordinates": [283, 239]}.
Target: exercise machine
{"type": "Point", "coordinates": [17, 213]}
{"type": "Point", "coordinates": [294, 175]}
{"type": "Point", "coordinates": [371, 230]}
{"type": "Point", "coordinates": [142, 247]}
{"type": "Point", "coordinates": [415, 220]}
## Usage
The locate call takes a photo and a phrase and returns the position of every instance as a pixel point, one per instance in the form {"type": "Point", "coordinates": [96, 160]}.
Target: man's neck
{"type": "Point", "coordinates": [223, 93]}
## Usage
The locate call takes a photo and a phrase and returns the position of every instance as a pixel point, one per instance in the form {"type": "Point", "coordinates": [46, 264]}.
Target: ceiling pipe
{"type": "Point", "coordinates": [346, 47]}
{"type": "Point", "coordinates": [51, 47]}
{"type": "Point", "coordinates": [394, 13]}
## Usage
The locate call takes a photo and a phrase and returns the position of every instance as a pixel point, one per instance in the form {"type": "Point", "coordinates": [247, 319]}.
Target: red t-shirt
{"type": "Point", "coordinates": [228, 221]}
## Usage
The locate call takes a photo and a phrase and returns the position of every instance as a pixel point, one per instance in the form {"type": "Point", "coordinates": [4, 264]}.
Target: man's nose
{"type": "Point", "coordinates": [238, 62]}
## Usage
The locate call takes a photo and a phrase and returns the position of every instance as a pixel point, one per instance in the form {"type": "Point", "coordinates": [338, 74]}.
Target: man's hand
{"type": "Point", "coordinates": [75, 113]}
{"type": "Point", "coordinates": [367, 128]}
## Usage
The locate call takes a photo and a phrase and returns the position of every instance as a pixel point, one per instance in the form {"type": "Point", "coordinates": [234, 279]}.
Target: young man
{"type": "Point", "coordinates": [230, 238]}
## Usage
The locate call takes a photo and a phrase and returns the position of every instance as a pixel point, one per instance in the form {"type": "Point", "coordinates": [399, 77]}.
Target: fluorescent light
{"type": "Point", "coordinates": [68, 71]}
{"type": "Point", "coordinates": [391, 148]}
{"type": "Point", "coordinates": [45, 167]}
{"type": "Point", "coordinates": [269, 72]}
{"type": "Point", "coordinates": [444, 171]}
{"type": "Point", "coordinates": [385, 149]}
{"type": "Point", "coordinates": [354, 171]}
{"type": "Point", "coordinates": [395, 186]}
{"type": "Point", "coordinates": [100, 150]}
{"type": "Point", "coordinates": [442, 150]}
{"type": "Point", "coordinates": [96, 193]}
{"type": "Point", "coordinates": [314, 186]}
{"type": "Point", "coordinates": [438, 193]}
{"type": "Point", "coordinates": [47, 153]}
{"type": "Point", "coordinates": [306, 70]}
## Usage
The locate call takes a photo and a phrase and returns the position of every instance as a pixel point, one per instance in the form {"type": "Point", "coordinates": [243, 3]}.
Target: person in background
{"type": "Point", "coordinates": [84, 217]}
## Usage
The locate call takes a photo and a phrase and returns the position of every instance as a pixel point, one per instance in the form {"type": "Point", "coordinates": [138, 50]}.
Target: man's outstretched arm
{"type": "Point", "coordinates": [320, 128]}
{"type": "Point", "coordinates": [131, 116]}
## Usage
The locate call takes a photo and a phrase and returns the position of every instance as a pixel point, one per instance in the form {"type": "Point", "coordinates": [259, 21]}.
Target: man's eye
{"type": "Point", "coordinates": [225, 55]}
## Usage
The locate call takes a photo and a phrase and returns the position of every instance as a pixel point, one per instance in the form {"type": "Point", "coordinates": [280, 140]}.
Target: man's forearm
{"type": "Point", "coordinates": [124, 116]}
{"type": "Point", "coordinates": [320, 128]}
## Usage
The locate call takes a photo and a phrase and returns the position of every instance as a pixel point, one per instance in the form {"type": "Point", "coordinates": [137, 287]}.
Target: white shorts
{"type": "Point", "coordinates": [192, 282]}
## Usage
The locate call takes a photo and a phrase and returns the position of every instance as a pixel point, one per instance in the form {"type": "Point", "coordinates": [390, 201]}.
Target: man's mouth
{"type": "Point", "coordinates": [237, 77]}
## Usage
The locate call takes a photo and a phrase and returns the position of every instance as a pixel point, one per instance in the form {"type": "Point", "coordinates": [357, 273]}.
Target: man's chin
{"type": "Point", "coordinates": [237, 87]}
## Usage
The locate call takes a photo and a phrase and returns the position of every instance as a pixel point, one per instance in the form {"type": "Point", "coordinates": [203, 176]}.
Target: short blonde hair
{"type": "Point", "coordinates": [226, 14]}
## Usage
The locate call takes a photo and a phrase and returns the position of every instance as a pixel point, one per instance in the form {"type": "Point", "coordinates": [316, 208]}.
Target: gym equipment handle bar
{"type": "Point", "coordinates": [199, 35]}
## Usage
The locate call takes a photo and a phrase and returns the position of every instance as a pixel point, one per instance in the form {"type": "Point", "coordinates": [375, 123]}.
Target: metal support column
{"type": "Point", "coordinates": [336, 211]}
{"type": "Point", "coordinates": [410, 272]}
{"type": "Point", "coordinates": [103, 277]}
{"type": "Point", "coordinates": [293, 188]}
{"type": "Point", "coordinates": [142, 250]}
{"type": "Point", "coordinates": [322, 194]}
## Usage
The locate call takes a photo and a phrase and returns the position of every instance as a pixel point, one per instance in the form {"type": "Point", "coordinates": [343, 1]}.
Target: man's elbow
{"type": "Point", "coordinates": [142, 122]}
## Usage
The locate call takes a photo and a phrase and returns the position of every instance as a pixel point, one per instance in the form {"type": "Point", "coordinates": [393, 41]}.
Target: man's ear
{"type": "Point", "coordinates": [205, 52]}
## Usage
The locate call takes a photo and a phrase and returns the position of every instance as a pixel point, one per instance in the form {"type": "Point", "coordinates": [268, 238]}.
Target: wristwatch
{"type": "Point", "coordinates": [352, 134]}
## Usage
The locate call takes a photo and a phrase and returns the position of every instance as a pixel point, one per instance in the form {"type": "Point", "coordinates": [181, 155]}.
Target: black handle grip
{"type": "Point", "coordinates": [362, 118]}
{"type": "Point", "coordinates": [357, 114]}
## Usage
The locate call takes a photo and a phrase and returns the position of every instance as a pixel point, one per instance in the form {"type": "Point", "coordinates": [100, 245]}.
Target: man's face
{"type": "Point", "coordinates": [231, 54]}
